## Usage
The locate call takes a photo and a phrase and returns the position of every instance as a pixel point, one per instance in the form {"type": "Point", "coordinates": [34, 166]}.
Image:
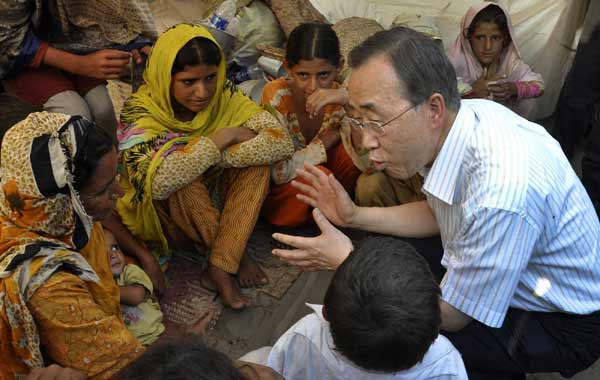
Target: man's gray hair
{"type": "Point", "coordinates": [419, 62]}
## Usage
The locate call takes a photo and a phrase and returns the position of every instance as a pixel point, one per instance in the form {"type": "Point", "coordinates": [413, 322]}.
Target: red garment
{"type": "Point", "coordinates": [35, 85]}
{"type": "Point", "coordinates": [283, 209]}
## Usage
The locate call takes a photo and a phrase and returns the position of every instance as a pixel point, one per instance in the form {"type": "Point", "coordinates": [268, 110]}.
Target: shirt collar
{"type": "Point", "coordinates": [441, 180]}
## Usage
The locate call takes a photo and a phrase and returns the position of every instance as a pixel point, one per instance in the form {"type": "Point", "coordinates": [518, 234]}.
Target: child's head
{"type": "Point", "coordinates": [116, 257]}
{"type": "Point", "coordinates": [488, 34]}
{"type": "Point", "coordinates": [194, 74]}
{"type": "Point", "coordinates": [383, 306]}
{"type": "Point", "coordinates": [312, 57]}
{"type": "Point", "coordinates": [189, 359]}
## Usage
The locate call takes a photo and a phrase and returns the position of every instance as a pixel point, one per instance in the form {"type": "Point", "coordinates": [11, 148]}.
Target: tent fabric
{"type": "Point", "coordinates": [546, 30]}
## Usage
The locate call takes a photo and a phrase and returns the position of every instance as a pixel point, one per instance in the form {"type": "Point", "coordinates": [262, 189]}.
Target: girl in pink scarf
{"type": "Point", "coordinates": [485, 56]}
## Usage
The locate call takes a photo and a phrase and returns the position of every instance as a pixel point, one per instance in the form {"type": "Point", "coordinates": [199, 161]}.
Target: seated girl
{"type": "Point", "coordinates": [486, 57]}
{"type": "Point", "coordinates": [59, 301]}
{"type": "Point", "coordinates": [312, 62]}
{"type": "Point", "coordinates": [196, 155]}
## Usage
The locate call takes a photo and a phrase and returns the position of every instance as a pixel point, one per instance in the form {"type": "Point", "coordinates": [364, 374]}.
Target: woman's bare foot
{"type": "Point", "coordinates": [250, 274]}
{"type": "Point", "coordinates": [201, 325]}
{"type": "Point", "coordinates": [227, 288]}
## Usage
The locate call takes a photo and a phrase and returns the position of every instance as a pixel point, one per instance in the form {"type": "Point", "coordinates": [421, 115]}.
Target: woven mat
{"type": "Point", "coordinates": [281, 275]}
{"type": "Point", "coordinates": [186, 300]}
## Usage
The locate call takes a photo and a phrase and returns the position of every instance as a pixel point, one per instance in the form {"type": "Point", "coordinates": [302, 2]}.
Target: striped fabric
{"type": "Point", "coordinates": [191, 210]}
{"type": "Point", "coordinates": [518, 228]}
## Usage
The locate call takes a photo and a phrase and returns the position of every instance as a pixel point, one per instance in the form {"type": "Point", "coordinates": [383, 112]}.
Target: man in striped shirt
{"type": "Point", "coordinates": [521, 239]}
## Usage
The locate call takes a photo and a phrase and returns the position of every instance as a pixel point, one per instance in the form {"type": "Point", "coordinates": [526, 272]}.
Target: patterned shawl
{"type": "Point", "coordinates": [78, 26]}
{"type": "Point", "coordinates": [510, 64]}
{"type": "Point", "coordinates": [42, 224]}
{"type": "Point", "coordinates": [152, 130]}
{"type": "Point", "coordinates": [467, 65]}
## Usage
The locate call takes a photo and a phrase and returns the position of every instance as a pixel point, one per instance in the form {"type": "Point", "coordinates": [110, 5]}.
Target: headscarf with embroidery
{"type": "Point", "coordinates": [152, 131]}
{"type": "Point", "coordinates": [43, 224]}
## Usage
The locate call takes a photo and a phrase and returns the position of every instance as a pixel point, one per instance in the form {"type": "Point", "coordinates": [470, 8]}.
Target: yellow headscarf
{"type": "Point", "coordinates": [153, 129]}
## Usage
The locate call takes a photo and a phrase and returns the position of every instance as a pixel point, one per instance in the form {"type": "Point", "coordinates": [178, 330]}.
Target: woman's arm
{"type": "Point", "coordinates": [314, 153]}
{"type": "Point", "coordinates": [76, 332]}
{"type": "Point", "coordinates": [20, 46]}
{"type": "Point", "coordinates": [103, 64]}
{"type": "Point", "coordinates": [183, 166]}
{"type": "Point", "coordinates": [271, 144]}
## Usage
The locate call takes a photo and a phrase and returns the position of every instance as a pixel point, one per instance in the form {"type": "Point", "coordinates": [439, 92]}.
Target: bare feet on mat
{"type": "Point", "coordinates": [201, 325]}
{"type": "Point", "coordinates": [250, 274]}
{"type": "Point", "coordinates": [227, 288]}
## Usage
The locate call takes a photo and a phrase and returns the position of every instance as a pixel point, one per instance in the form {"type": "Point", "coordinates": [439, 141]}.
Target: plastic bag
{"type": "Point", "coordinates": [257, 25]}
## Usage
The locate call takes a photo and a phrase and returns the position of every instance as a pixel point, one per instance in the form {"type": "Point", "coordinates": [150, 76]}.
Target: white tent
{"type": "Point", "coordinates": [547, 31]}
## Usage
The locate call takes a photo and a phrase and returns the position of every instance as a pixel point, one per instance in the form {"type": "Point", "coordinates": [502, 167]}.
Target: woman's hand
{"type": "Point", "coordinates": [480, 88]}
{"type": "Point", "coordinates": [243, 134]}
{"type": "Point", "coordinates": [324, 96]}
{"type": "Point", "coordinates": [502, 91]}
{"type": "Point", "coordinates": [55, 372]}
{"type": "Point", "coordinates": [226, 137]}
{"type": "Point", "coordinates": [152, 268]}
{"type": "Point", "coordinates": [136, 54]}
{"type": "Point", "coordinates": [330, 138]}
{"type": "Point", "coordinates": [103, 64]}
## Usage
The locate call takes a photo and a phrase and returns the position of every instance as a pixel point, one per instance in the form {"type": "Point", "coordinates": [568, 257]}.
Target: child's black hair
{"type": "Point", "coordinates": [313, 40]}
{"type": "Point", "coordinates": [383, 306]}
{"type": "Point", "coordinates": [494, 15]}
{"type": "Point", "coordinates": [187, 359]}
{"type": "Point", "coordinates": [198, 51]}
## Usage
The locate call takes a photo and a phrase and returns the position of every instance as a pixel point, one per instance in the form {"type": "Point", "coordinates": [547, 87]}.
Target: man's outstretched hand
{"type": "Point", "coordinates": [324, 252]}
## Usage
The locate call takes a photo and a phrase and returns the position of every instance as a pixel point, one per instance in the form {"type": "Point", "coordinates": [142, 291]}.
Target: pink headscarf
{"type": "Point", "coordinates": [511, 65]}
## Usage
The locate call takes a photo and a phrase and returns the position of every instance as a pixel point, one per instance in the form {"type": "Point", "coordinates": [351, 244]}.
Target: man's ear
{"type": "Point", "coordinates": [325, 313]}
{"type": "Point", "coordinates": [436, 105]}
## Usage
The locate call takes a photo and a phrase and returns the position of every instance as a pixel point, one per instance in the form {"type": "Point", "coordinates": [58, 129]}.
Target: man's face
{"type": "Point", "coordinates": [408, 144]}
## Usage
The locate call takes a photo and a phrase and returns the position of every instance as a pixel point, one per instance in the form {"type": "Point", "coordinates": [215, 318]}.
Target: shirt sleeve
{"type": "Point", "coordinates": [75, 332]}
{"type": "Point", "coordinates": [134, 275]}
{"type": "Point", "coordinates": [183, 166]}
{"type": "Point", "coordinates": [295, 357]}
{"type": "Point", "coordinates": [485, 263]}
{"type": "Point", "coordinates": [271, 144]}
{"type": "Point", "coordinates": [19, 43]}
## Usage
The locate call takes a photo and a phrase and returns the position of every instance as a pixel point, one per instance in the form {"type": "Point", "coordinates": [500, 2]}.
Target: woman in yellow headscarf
{"type": "Point", "coordinates": [195, 153]}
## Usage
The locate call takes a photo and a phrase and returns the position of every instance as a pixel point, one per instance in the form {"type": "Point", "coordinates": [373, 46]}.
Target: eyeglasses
{"type": "Point", "coordinates": [376, 127]}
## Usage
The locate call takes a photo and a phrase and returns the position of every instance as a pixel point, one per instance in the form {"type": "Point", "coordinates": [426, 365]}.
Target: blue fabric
{"type": "Point", "coordinates": [31, 44]}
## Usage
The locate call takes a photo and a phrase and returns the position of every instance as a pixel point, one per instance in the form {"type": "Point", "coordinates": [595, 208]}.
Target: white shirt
{"type": "Point", "coordinates": [307, 352]}
{"type": "Point", "coordinates": [518, 228]}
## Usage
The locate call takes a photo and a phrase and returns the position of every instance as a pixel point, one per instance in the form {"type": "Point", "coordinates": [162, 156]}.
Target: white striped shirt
{"type": "Point", "coordinates": [518, 228]}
